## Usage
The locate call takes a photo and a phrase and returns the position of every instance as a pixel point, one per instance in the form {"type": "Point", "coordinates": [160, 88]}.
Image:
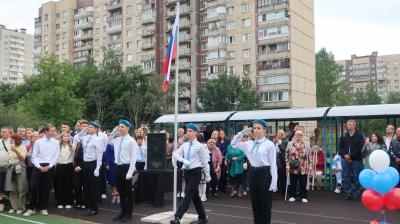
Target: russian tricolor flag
{"type": "Point", "coordinates": [171, 52]}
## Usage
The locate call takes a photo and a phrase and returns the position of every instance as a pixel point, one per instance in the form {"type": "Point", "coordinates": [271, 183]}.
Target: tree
{"type": "Point", "coordinates": [393, 97]}
{"type": "Point", "coordinates": [369, 97]}
{"type": "Point", "coordinates": [330, 90]}
{"type": "Point", "coordinates": [52, 98]}
{"type": "Point", "coordinates": [228, 93]}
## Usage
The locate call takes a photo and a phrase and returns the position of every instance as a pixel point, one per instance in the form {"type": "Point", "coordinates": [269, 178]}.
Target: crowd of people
{"type": "Point", "coordinates": [79, 164]}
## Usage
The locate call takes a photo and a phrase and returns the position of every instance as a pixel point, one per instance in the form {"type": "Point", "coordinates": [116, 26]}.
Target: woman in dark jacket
{"type": "Point", "coordinates": [222, 144]}
{"type": "Point", "coordinates": [281, 144]}
{"type": "Point", "coordinates": [109, 161]}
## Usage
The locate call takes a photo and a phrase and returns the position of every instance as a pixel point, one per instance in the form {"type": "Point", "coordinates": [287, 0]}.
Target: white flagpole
{"type": "Point", "coordinates": [176, 107]}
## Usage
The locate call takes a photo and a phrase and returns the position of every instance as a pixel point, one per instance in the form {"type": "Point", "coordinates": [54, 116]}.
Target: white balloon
{"type": "Point", "coordinates": [379, 161]}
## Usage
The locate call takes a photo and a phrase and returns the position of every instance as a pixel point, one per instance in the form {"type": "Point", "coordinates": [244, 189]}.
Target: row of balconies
{"type": "Point", "coordinates": [184, 10]}
{"type": "Point", "coordinates": [84, 47]}
{"type": "Point", "coordinates": [88, 36]}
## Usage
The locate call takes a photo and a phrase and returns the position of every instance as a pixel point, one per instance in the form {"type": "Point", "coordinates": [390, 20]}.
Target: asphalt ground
{"type": "Point", "coordinates": [324, 207]}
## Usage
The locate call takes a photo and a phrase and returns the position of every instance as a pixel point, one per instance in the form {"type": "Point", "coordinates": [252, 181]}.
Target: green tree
{"type": "Point", "coordinates": [51, 97]}
{"type": "Point", "coordinates": [228, 93]}
{"type": "Point", "coordinates": [393, 97]}
{"type": "Point", "coordinates": [369, 97]}
{"type": "Point", "coordinates": [330, 90]}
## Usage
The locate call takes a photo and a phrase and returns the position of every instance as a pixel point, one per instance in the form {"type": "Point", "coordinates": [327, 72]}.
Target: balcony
{"type": "Point", "coordinates": [182, 25]}
{"type": "Point", "coordinates": [38, 34]}
{"type": "Point", "coordinates": [114, 30]}
{"type": "Point", "coordinates": [37, 43]}
{"type": "Point", "coordinates": [214, 3]}
{"type": "Point", "coordinates": [182, 66]}
{"type": "Point", "coordinates": [216, 61]}
{"type": "Point", "coordinates": [38, 54]}
{"type": "Point", "coordinates": [112, 18]}
{"type": "Point", "coordinates": [275, 40]}
{"type": "Point", "coordinates": [149, 20]}
{"type": "Point", "coordinates": [147, 6]}
{"type": "Point", "coordinates": [21, 52]}
{"type": "Point", "coordinates": [182, 11]}
{"type": "Point", "coordinates": [182, 39]}
{"type": "Point", "coordinates": [20, 47]}
{"type": "Point", "coordinates": [275, 104]}
{"type": "Point", "coordinates": [13, 63]}
{"type": "Point", "coordinates": [84, 48]}
{"type": "Point", "coordinates": [184, 108]}
{"type": "Point", "coordinates": [148, 57]}
{"type": "Point", "coordinates": [217, 46]}
{"type": "Point", "coordinates": [217, 31]}
{"type": "Point", "coordinates": [13, 81]}
{"type": "Point", "coordinates": [21, 59]}
{"type": "Point", "coordinates": [114, 5]}
{"type": "Point", "coordinates": [116, 41]}
{"type": "Point", "coordinates": [13, 69]}
{"type": "Point", "coordinates": [146, 46]}
{"type": "Point", "coordinates": [80, 59]}
{"type": "Point", "coordinates": [147, 33]}
{"type": "Point", "coordinates": [38, 20]}
{"type": "Point", "coordinates": [83, 15]}
{"type": "Point", "coordinates": [13, 58]}
{"type": "Point", "coordinates": [185, 52]}
{"type": "Point", "coordinates": [173, 2]}
{"type": "Point", "coordinates": [185, 94]}
{"type": "Point", "coordinates": [282, 4]}
{"type": "Point", "coordinates": [270, 55]}
{"type": "Point", "coordinates": [13, 75]}
{"type": "Point", "coordinates": [87, 26]}
{"type": "Point", "coordinates": [88, 36]}
{"type": "Point", "coordinates": [278, 23]}
{"type": "Point", "coordinates": [13, 51]}
{"type": "Point", "coordinates": [147, 71]}
{"type": "Point", "coordinates": [216, 17]}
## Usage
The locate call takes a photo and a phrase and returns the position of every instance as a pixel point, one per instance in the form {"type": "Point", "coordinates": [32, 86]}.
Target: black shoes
{"type": "Point", "coordinates": [355, 198]}
{"type": "Point", "coordinates": [88, 211]}
{"type": "Point", "coordinates": [93, 212]}
{"type": "Point", "coordinates": [204, 221]}
{"type": "Point", "coordinates": [119, 217]}
{"type": "Point", "coordinates": [175, 221]}
{"type": "Point", "coordinates": [127, 218]}
{"type": "Point", "coordinates": [347, 197]}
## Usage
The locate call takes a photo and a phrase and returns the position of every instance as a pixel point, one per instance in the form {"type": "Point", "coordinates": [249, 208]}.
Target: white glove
{"type": "Point", "coordinates": [85, 130]}
{"type": "Point", "coordinates": [128, 176]}
{"type": "Point", "coordinates": [116, 131]}
{"type": "Point", "coordinates": [96, 173]}
{"type": "Point", "coordinates": [208, 178]}
{"type": "Point", "coordinates": [186, 162]}
{"type": "Point", "coordinates": [247, 131]}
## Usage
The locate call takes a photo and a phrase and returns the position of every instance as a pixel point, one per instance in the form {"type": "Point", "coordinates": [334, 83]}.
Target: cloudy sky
{"type": "Point", "coordinates": [344, 27]}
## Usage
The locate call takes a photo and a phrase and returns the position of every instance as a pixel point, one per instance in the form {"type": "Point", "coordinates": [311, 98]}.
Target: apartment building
{"type": "Point", "coordinates": [270, 41]}
{"type": "Point", "coordinates": [16, 55]}
{"type": "Point", "coordinates": [382, 70]}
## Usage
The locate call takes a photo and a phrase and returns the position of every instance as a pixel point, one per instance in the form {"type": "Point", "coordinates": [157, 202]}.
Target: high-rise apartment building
{"type": "Point", "coordinates": [16, 55]}
{"type": "Point", "coordinates": [382, 70]}
{"type": "Point", "coordinates": [270, 41]}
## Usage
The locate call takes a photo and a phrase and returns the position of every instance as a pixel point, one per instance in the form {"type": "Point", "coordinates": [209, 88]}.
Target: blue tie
{"type": "Point", "coordinates": [141, 153]}
{"type": "Point", "coordinates": [256, 144]}
{"type": "Point", "coordinates": [188, 156]}
{"type": "Point", "coordinates": [119, 150]}
{"type": "Point", "coordinates": [87, 142]}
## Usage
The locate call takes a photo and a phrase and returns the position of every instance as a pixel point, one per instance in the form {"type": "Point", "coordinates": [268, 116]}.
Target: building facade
{"type": "Point", "coordinates": [270, 41]}
{"type": "Point", "coordinates": [16, 55]}
{"type": "Point", "coordinates": [382, 70]}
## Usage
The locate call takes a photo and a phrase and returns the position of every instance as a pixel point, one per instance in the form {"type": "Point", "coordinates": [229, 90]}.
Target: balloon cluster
{"type": "Point", "coordinates": [380, 183]}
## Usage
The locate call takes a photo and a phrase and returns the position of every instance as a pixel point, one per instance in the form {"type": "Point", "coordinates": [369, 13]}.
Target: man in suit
{"type": "Point", "coordinates": [394, 152]}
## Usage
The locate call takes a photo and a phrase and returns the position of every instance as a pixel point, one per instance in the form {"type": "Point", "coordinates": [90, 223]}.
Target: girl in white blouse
{"type": "Point", "coordinates": [65, 172]}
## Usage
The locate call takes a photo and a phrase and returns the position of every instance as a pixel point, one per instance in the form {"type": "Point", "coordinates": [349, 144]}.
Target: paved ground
{"type": "Point", "coordinates": [323, 207]}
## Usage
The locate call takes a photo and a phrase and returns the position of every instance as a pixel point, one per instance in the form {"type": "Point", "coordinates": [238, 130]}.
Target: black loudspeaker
{"type": "Point", "coordinates": [157, 152]}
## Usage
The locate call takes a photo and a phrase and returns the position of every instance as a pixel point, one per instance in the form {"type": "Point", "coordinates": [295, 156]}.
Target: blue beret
{"type": "Point", "coordinates": [192, 126]}
{"type": "Point", "coordinates": [125, 122]}
{"type": "Point", "coordinates": [94, 124]}
{"type": "Point", "coordinates": [260, 121]}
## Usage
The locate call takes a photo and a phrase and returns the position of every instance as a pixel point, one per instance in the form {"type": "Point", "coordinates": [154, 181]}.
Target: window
{"type": "Point", "coordinates": [97, 20]}
{"type": "Point", "coordinates": [105, 18]}
{"type": "Point", "coordinates": [139, 6]}
{"type": "Point", "coordinates": [105, 6]}
{"type": "Point", "coordinates": [231, 70]}
{"type": "Point", "coordinates": [268, 80]}
{"type": "Point", "coordinates": [203, 18]}
{"type": "Point", "coordinates": [246, 7]}
{"type": "Point", "coordinates": [388, 69]}
{"type": "Point", "coordinates": [204, 60]}
{"type": "Point", "coordinates": [246, 53]}
{"type": "Point", "coordinates": [388, 63]}
{"type": "Point", "coordinates": [396, 68]}
{"type": "Point", "coordinates": [57, 15]}
{"type": "Point", "coordinates": [216, 69]}
{"type": "Point", "coordinates": [46, 37]}
{"type": "Point", "coordinates": [105, 39]}
{"type": "Point", "coordinates": [231, 40]}
{"type": "Point", "coordinates": [129, 33]}
{"type": "Point", "coordinates": [57, 26]}
{"type": "Point", "coordinates": [396, 81]}
{"type": "Point", "coordinates": [148, 65]}
{"type": "Point", "coordinates": [395, 63]}
{"type": "Point", "coordinates": [97, 30]}
{"type": "Point", "coordinates": [129, 21]}
{"type": "Point", "coordinates": [129, 57]}
{"type": "Point", "coordinates": [231, 55]}
{"type": "Point", "coordinates": [46, 27]}
{"type": "Point", "coordinates": [128, 45]}
{"type": "Point", "coordinates": [139, 56]}
{"type": "Point", "coordinates": [230, 10]}
{"type": "Point", "coordinates": [129, 8]}
{"type": "Point", "coordinates": [64, 35]}
{"type": "Point", "coordinates": [97, 53]}
{"type": "Point", "coordinates": [104, 29]}
{"type": "Point", "coordinates": [204, 74]}
{"type": "Point", "coordinates": [98, 9]}
{"type": "Point", "coordinates": [64, 24]}
{"type": "Point", "coordinates": [204, 32]}
{"type": "Point", "coordinates": [203, 5]}
{"type": "Point", "coordinates": [274, 64]}
{"type": "Point", "coordinates": [246, 68]}
{"type": "Point", "coordinates": [139, 30]}
{"type": "Point", "coordinates": [246, 37]}
{"type": "Point", "coordinates": [245, 22]}
{"type": "Point", "coordinates": [274, 96]}
{"type": "Point", "coordinates": [139, 43]}
{"type": "Point", "coordinates": [215, 10]}
{"type": "Point", "coordinates": [273, 32]}
{"type": "Point", "coordinates": [230, 26]}
{"type": "Point", "coordinates": [57, 47]}
{"type": "Point", "coordinates": [204, 46]}
{"type": "Point", "coordinates": [97, 42]}
{"type": "Point", "coordinates": [138, 18]}
{"type": "Point", "coordinates": [271, 16]}
{"type": "Point", "coordinates": [64, 46]}
{"type": "Point", "coordinates": [216, 40]}
{"type": "Point", "coordinates": [46, 17]}
{"type": "Point", "coordinates": [396, 75]}
{"type": "Point", "coordinates": [46, 48]}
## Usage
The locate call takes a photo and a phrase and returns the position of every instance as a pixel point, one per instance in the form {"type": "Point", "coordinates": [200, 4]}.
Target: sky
{"type": "Point", "coordinates": [344, 27]}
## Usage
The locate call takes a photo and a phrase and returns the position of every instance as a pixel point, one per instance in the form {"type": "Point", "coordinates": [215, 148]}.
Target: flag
{"type": "Point", "coordinates": [171, 52]}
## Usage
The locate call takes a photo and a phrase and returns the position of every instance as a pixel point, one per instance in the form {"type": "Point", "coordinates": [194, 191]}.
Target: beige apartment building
{"type": "Point", "coordinates": [382, 70]}
{"type": "Point", "coordinates": [270, 41]}
{"type": "Point", "coordinates": [16, 55]}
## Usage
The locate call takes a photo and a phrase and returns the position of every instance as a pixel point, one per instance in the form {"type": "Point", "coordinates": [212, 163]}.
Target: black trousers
{"type": "Point", "coordinates": [213, 182]}
{"type": "Point", "coordinates": [282, 180]}
{"type": "Point", "coordinates": [29, 170]}
{"type": "Point", "coordinates": [65, 178]}
{"type": "Point", "coordinates": [92, 185]}
{"type": "Point", "coordinates": [124, 188]}
{"type": "Point", "coordinates": [192, 179]}
{"type": "Point", "coordinates": [222, 179]}
{"type": "Point", "coordinates": [302, 179]}
{"type": "Point", "coordinates": [103, 174]}
{"type": "Point", "coordinates": [40, 178]}
{"type": "Point", "coordinates": [77, 186]}
{"type": "Point", "coordinates": [261, 196]}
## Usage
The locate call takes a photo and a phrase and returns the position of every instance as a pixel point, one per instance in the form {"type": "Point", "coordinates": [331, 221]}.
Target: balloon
{"type": "Point", "coordinates": [383, 222]}
{"type": "Point", "coordinates": [382, 183]}
{"type": "Point", "coordinates": [379, 160]}
{"type": "Point", "coordinates": [391, 200]}
{"type": "Point", "coordinates": [374, 222]}
{"type": "Point", "coordinates": [372, 200]}
{"type": "Point", "coordinates": [394, 174]}
{"type": "Point", "coordinates": [366, 177]}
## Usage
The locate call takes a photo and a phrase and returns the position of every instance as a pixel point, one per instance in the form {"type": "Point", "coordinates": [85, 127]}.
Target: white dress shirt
{"type": "Point", "coordinates": [128, 154]}
{"type": "Point", "coordinates": [76, 140]}
{"type": "Point", "coordinates": [104, 139]}
{"type": "Point", "coordinates": [66, 155]}
{"type": "Point", "coordinates": [265, 156]}
{"type": "Point", "coordinates": [4, 152]}
{"type": "Point", "coordinates": [142, 150]}
{"type": "Point", "coordinates": [46, 151]}
{"type": "Point", "coordinates": [94, 149]}
{"type": "Point", "coordinates": [387, 141]}
{"type": "Point", "coordinates": [199, 155]}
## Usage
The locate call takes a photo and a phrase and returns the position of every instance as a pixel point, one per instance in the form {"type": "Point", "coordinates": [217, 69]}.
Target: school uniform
{"type": "Point", "coordinates": [103, 173]}
{"type": "Point", "coordinates": [65, 176]}
{"type": "Point", "coordinates": [78, 176]}
{"type": "Point", "coordinates": [262, 177]}
{"type": "Point", "coordinates": [141, 161]}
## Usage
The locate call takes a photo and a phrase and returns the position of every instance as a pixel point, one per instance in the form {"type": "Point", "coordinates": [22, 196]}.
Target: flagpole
{"type": "Point", "coordinates": [176, 107]}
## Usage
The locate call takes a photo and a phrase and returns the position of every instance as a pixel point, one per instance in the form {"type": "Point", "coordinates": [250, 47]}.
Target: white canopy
{"type": "Point", "coordinates": [281, 114]}
{"type": "Point", "coordinates": [195, 117]}
{"type": "Point", "coordinates": [380, 110]}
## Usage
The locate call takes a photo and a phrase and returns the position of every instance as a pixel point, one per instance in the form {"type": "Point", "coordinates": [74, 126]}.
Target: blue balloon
{"type": "Point", "coordinates": [383, 222]}
{"type": "Point", "coordinates": [366, 177]}
{"type": "Point", "coordinates": [394, 174]}
{"type": "Point", "coordinates": [382, 183]}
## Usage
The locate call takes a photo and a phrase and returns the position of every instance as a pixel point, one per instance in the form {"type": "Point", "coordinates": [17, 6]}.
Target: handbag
{"type": "Point", "coordinates": [229, 160]}
{"type": "Point", "coordinates": [295, 163]}
{"type": "Point", "coordinates": [17, 168]}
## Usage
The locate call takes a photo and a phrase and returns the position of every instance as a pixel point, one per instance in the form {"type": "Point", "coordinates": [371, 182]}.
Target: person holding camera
{"type": "Point", "coordinates": [16, 175]}
{"type": "Point", "coordinates": [234, 164]}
